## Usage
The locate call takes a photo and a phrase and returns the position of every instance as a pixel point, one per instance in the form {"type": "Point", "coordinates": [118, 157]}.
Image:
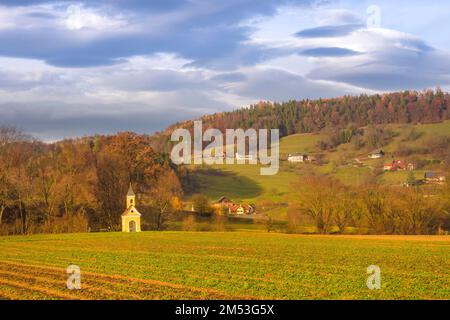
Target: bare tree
{"type": "Point", "coordinates": [163, 198]}
{"type": "Point", "coordinates": [317, 200]}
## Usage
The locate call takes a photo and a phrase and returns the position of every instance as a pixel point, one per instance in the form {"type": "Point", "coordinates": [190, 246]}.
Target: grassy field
{"type": "Point", "coordinates": [299, 143]}
{"type": "Point", "coordinates": [234, 265]}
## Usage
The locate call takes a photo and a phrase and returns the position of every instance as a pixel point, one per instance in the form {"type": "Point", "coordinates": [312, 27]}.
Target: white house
{"type": "Point", "coordinates": [296, 158]}
{"type": "Point", "coordinates": [376, 154]}
{"type": "Point", "coordinates": [244, 157]}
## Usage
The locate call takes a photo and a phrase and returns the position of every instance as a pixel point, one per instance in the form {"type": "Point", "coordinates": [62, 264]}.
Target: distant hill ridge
{"type": "Point", "coordinates": [306, 116]}
{"type": "Point", "coordinates": [311, 116]}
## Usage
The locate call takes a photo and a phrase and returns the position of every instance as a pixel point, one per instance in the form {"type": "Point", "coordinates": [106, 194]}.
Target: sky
{"type": "Point", "coordinates": [76, 68]}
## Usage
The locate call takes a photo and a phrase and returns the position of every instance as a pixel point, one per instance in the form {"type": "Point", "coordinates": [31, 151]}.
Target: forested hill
{"type": "Point", "coordinates": [306, 116]}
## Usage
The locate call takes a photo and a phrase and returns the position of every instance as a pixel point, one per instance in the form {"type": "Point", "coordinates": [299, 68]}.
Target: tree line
{"type": "Point", "coordinates": [307, 116]}
{"type": "Point", "coordinates": [80, 184]}
{"type": "Point", "coordinates": [336, 208]}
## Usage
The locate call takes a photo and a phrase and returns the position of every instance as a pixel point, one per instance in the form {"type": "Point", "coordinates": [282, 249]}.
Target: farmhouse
{"type": "Point", "coordinates": [235, 208]}
{"type": "Point", "coordinates": [131, 218]}
{"type": "Point", "coordinates": [245, 157]}
{"type": "Point", "coordinates": [434, 177]}
{"type": "Point", "coordinates": [299, 158]}
{"type": "Point", "coordinates": [295, 158]}
{"type": "Point", "coordinates": [398, 165]}
{"type": "Point", "coordinates": [376, 154]}
{"type": "Point", "coordinates": [241, 209]}
{"type": "Point", "coordinates": [223, 200]}
{"type": "Point", "coordinates": [250, 208]}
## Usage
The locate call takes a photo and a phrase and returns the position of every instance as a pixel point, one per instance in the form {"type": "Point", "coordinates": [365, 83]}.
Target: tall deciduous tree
{"type": "Point", "coordinates": [163, 198]}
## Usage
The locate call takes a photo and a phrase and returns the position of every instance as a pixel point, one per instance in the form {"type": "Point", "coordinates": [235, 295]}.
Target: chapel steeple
{"type": "Point", "coordinates": [131, 197]}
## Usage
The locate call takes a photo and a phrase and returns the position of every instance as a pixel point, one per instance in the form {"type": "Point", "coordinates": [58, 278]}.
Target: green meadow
{"type": "Point", "coordinates": [233, 265]}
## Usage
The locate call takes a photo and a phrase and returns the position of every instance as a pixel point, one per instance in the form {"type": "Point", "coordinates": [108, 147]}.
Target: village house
{"type": "Point", "coordinates": [250, 208]}
{"type": "Point", "coordinates": [300, 158]}
{"type": "Point", "coordinates": [434, 177]}
{"type": "Point", "coordinates": [131, 218]}
{"type": "Point", "coordinates": [398, 165]}
{"type": "Point", "coordinates": [244, 157]}
{"type": "Point", "coordinates": [241, 209]}
{"type": "Point", "coordinates": [234, 208]}
{"type": "Point", "coordinates": [296, 158]}
{"type": "Point", "coordinates": [222, 202]}
{"type": "Point", "coordinates": [376, 154]}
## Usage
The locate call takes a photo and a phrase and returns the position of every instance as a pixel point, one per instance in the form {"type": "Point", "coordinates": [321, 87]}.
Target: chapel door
{"type": "Point", "coordinates": [132, 226]}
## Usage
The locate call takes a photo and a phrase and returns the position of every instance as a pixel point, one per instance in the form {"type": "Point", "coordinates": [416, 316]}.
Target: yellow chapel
{"type": "Point", "coordinates": [131, 218]}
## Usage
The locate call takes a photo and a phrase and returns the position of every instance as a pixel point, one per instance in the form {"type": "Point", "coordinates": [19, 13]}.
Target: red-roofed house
{"type": "Point", "coordinates": [397, 165]}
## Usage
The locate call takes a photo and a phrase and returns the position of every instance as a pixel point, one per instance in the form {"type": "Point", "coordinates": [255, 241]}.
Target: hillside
{"type": "Point", "coordinates": [410, 126]}
{"type": "Point", "coordinates": [244, 182]}
{"type": "Point", "coordinates": [309, 116]}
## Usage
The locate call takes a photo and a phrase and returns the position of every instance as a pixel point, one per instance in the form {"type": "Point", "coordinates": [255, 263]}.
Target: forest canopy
{"type": "Point", "coordinates": [306, 116]}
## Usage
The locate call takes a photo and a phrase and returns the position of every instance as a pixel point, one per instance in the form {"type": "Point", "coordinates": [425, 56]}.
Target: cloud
{"type": "Point", "coordinates": [96, 33]}
{"type": "Point", "coordinates": [155, 80]}
{"type": "Point", "coordinates": [36, 119]}
{"type": "Point", "coordinates": [338, 17]}
{"type": "Point", "coordinates": [78, 18]}
{"type": "Point", "coordinates": [328, 31]}
{"type": "Point", "coordinates": [389, 61]}
{"type": "Point", "coordinates": [142, 65]}
{"type": "Point", "coordinates": [230, 77]}
{"type": "Point", "coordinates": [50, 119]}
{"type": "Point", "coordinates": [138, 94]}
{"type": "Point", "coordinates": [279, 85]}
{"type": "Point", "coordinates": [329, 52]}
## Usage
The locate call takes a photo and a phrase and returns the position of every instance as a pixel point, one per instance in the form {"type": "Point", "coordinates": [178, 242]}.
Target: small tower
{"type": "Point", "coordinates": [131, 197]}
{"type": "Point", "coordinates": [131, 218]}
